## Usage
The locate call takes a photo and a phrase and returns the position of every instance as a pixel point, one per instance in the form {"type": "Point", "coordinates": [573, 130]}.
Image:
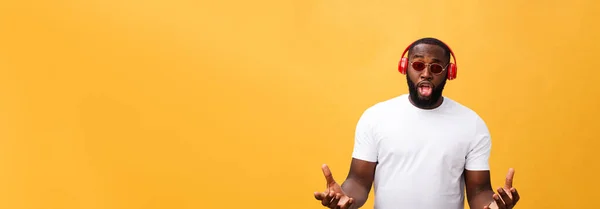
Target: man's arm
{"type": "Point", "coordinates": [477, 168]}
{"type": "Point", "coordinates": [364, 160]}
{"type": "Point", "coordinates": [353, 193]}
{"type": "Point", "coordinates": [479, 188]}
{"type": "Point", "coordinates": [359, 181]}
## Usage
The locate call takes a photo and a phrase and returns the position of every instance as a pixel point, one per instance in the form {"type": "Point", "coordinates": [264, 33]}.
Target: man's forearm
{"type": "Point", "coordinates": [482, 199]}
{"type": "Point", "coordinates": [356, 191]}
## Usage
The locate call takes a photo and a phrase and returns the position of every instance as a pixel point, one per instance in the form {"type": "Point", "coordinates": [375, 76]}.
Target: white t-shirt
{"type": "Point", "coordinates": [421, 154]}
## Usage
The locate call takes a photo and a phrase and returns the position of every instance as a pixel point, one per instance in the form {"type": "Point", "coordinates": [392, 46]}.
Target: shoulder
{"type": "Point", "coordinates": [467, 114]}
{"type": "Point", "coordinates": [462, 110]}
{"type": "Point", "coordinates": [387, 106]}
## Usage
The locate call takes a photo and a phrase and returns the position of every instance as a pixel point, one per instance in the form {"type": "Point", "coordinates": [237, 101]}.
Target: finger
{"type": "Point", "coordinates": [323, 196]}
{"type": "Point", "coordinates": [335, 200]}
{"type": "Point", "coordinates": [347, 203]}
{"type": "Point", "coordinates": [507, 201]}
{"type": "Point", "coordinates": [319, 195]}
{"type": "Point", "coordinates": [499, 202]}
{"type": "Point", "coordinates": [328, 197]}
{"type": "Point", "coordinates": [509, 178]}
{"type": "Point", "coordinates": [342, 204]}
{"type": "Point", "coordinates": [324, 200]}
{"type": "Point", "coordinates": [327, 174]}
{"type": "Point", "coordinates": [492, 204]}
{"type": "Point", "coordinates": [515, 195]}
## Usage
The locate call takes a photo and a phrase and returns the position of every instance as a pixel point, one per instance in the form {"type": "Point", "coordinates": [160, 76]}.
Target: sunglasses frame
{"type": "Point", "coordinates": [428, 67]}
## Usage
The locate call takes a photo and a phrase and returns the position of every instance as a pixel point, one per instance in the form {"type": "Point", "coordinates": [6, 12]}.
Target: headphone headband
{"type": "Point", "coordinates": [449, 49]}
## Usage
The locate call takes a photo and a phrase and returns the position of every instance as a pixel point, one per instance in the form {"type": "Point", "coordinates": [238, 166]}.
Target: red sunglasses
{"type": "Point", "coordinates": [434, 67]}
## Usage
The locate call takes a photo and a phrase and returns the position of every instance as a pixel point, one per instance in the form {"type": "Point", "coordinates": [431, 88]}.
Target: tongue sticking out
{"type": "Point", "coordinates": [425, 91]}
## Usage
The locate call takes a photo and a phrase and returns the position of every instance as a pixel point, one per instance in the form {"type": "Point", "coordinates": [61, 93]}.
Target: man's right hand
{"type": "Point", "coordinates": [333, 196]}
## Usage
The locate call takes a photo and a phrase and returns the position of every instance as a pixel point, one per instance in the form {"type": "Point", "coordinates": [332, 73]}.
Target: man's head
{"type": "Point", "coordinates": [425, 80]}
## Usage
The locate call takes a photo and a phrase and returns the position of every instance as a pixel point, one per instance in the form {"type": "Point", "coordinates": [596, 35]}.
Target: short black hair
{"type": "Point", "coordinates": [432, 41]}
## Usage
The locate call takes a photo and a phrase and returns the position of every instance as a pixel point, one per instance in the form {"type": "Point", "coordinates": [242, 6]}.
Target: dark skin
{"type": "Point", "coordinates": [429, 54]}
{"type": "Point", "coordinates": [353, 193]}
{"type": "Point", "coordinates": [481, 195]}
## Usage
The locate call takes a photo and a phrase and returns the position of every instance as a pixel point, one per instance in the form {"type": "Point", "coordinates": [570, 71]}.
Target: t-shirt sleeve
{"type": "Point", "coordinates": [480, 148]}
{"type": "Point", "coordinates": [365, 146]}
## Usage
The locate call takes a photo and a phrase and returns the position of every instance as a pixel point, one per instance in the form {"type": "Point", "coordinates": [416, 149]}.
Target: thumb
{"type": "Point", "coordinates": [328, 175]}
{"type": "Point", "coordinates": [509, 178]}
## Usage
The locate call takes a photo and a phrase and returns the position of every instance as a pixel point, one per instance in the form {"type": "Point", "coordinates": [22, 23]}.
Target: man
{"type": "Point", "coordinates": [421, 150]}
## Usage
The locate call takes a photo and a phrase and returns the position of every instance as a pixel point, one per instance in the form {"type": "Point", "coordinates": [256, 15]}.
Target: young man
{"type": "Point", "coordinates": [421, 150]}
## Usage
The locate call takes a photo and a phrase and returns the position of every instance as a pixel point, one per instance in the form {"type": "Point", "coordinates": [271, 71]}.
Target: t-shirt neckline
{"type": "Point", "coordinates": [439, 108]}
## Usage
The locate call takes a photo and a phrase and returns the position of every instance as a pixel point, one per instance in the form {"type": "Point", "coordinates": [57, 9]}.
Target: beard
{"type": "Point", "coordinates": [424, 102]}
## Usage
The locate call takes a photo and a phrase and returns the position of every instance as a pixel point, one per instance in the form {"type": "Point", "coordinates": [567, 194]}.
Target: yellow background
{"type": "Point", "coordinates": [110, 104]}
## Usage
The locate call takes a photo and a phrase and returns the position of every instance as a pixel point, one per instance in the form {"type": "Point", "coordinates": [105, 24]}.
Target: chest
{"type": "Point", "coordinates": [443, 139]}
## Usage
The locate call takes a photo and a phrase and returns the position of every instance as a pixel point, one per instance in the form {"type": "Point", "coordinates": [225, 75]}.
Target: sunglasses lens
{"type": "Point", "coordinates": [435, 68]}
{"type": "Point", "coordinates": [418, 66]}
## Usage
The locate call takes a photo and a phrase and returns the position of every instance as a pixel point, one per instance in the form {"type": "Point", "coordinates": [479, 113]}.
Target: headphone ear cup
{"type": "Point", "coordinates": [403, 65]}
{"type": "Point", "coordinates": [451, 71]}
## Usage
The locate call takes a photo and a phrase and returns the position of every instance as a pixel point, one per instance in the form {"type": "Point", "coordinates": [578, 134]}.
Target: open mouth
{"type": "Point", "coordinates": [425, 89]}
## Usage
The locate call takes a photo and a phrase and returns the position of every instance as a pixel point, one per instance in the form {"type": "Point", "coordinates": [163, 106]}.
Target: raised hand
{"type": "Point", "coordinates": [333, 196]}
{"type": "Point", "coordinates": [507, 196]}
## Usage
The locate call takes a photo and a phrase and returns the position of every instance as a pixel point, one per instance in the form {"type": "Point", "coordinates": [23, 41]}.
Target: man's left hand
{"type": "Point", "coordinates": [507, 196]}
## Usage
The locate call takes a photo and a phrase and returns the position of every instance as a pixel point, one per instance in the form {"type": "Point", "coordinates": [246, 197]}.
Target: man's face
{"type": "Point", "coordinates": [426, 87]}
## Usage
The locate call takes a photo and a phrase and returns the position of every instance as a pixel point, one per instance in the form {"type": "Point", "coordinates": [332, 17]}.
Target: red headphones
{"type": "Point", "coordinates": [403, 65]}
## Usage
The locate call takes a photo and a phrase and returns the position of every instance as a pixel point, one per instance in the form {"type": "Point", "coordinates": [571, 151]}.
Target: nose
{"type": "Point", "coordinates": [426, 74]}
